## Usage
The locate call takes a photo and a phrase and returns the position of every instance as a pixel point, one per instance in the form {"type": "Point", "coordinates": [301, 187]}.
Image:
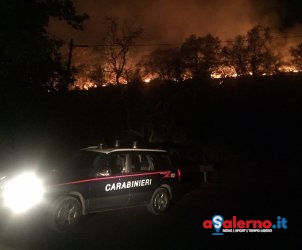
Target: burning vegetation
{"type": "Point", "coordinates": [255, 54]}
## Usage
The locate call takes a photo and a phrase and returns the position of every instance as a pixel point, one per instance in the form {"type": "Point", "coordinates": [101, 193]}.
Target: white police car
{"type": "Point", "coordinates": [96, 179]}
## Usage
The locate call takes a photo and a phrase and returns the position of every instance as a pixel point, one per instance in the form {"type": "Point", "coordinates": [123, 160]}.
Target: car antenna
{"type": "Point", "coordinates": [117, 143]}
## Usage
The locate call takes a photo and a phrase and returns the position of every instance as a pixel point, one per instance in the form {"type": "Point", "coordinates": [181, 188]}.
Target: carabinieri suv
{"type": "Point", "coordinates": [96, 179]}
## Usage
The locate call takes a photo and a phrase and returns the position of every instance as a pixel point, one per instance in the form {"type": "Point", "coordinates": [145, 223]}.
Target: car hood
{"type": "Point", "coordinates": [48, 175]}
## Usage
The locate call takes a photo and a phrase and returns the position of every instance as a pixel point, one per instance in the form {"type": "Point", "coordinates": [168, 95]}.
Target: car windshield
{"type": "Point", "coordinates": [80, 164]}
{"type": "Point", "coordinates": [84, 159]}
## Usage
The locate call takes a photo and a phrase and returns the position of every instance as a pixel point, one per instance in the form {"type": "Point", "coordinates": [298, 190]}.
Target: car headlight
{"type": "Point", "coordinates": [22, 192]}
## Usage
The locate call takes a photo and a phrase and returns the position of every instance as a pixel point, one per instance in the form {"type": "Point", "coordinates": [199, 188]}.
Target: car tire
{"type": "Point", "coordinates": [64, 214]}
{"type": "Point", "coordinates": [159, 202]}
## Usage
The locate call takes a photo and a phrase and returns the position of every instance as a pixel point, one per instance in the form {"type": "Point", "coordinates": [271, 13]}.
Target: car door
{"type": "Point", "coordinates": [152, 171]}
{"type": "Point", "coordinates": [143, 177]}
{"type": "Point", "coordinates": [110, 185]}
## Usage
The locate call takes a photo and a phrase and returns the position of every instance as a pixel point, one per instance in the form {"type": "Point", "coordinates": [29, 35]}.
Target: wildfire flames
{"type": "Point", "coordinates": [147, 79]}
{"type": "Point", "coordinates": [83, 83]}
{"type": "Point", "coordinates": [288, 68]}
{"type": "Point", "coordinates": [224, 72]}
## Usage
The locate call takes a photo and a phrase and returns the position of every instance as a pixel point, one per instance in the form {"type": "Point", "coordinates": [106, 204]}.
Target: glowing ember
{"type": "Point", "coordinates": [223, 72]}
{"type": "Point", "coordinates": [288, 68]}
{"type": "Point", "coordinates": [83, 84]}
{"type": "Point", "coordinates": [146, 80]}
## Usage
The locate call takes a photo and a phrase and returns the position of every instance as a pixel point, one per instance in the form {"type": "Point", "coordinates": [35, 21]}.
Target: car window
{"type": "Point", "coordinates": [141, 162]}
{"type": "Point", "coordinates": [82, 163]}
{"type": "Point", "coordinates": [114, 164]}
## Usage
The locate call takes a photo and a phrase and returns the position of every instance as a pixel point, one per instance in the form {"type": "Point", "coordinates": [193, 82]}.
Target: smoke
{"type": "Point", "coordinates": [165, 20]}
{"type": "Point", "coordinates": [172, 21]}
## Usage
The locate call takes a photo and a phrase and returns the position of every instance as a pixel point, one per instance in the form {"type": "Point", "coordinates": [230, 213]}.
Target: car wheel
{"type": "Point", "coordinates": [159, 202]}
{"type": "Point", "coordinates": [64, 214]}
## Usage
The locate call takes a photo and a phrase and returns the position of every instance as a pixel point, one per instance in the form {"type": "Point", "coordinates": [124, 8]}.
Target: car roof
{"type": "Point", "coordinates": [114, 149]}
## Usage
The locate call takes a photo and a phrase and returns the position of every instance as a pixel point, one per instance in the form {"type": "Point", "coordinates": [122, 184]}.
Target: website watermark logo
{"type": "Point", "coordinates": [217, 221]}
{"type": "Point", "coordinates": [221, 226]}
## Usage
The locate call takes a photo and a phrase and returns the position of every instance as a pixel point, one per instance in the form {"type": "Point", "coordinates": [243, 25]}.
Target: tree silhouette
{"type": "Point", "coordinates": [119, 38]}
{"type": "Point", "coordinates": [165, 64]}
{"type": "Point", "coordinates": [296, 53]}
{"type": "Point", "coordinates": [252, 53]}
{"type": "Point", "coordinates": [235, 54]}
{"type": "Point", "coordinates": [29, 55]}
{"type": "Point", "coordinates": [201, 55]}
{"type": "Point", "coordinates": [97, 75]}
{"type": "Point", "coordinates": [260, 56]}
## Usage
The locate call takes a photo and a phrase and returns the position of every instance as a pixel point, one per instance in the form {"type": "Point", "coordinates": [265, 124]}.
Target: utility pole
{"type": "Point", "coordinates": [70, 55]}
{"type": "Point", "coordinates": [67, 78]}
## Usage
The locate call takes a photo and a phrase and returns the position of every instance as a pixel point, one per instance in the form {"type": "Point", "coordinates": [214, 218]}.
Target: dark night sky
{"type": "Point", "coordinates": [171, 21]}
